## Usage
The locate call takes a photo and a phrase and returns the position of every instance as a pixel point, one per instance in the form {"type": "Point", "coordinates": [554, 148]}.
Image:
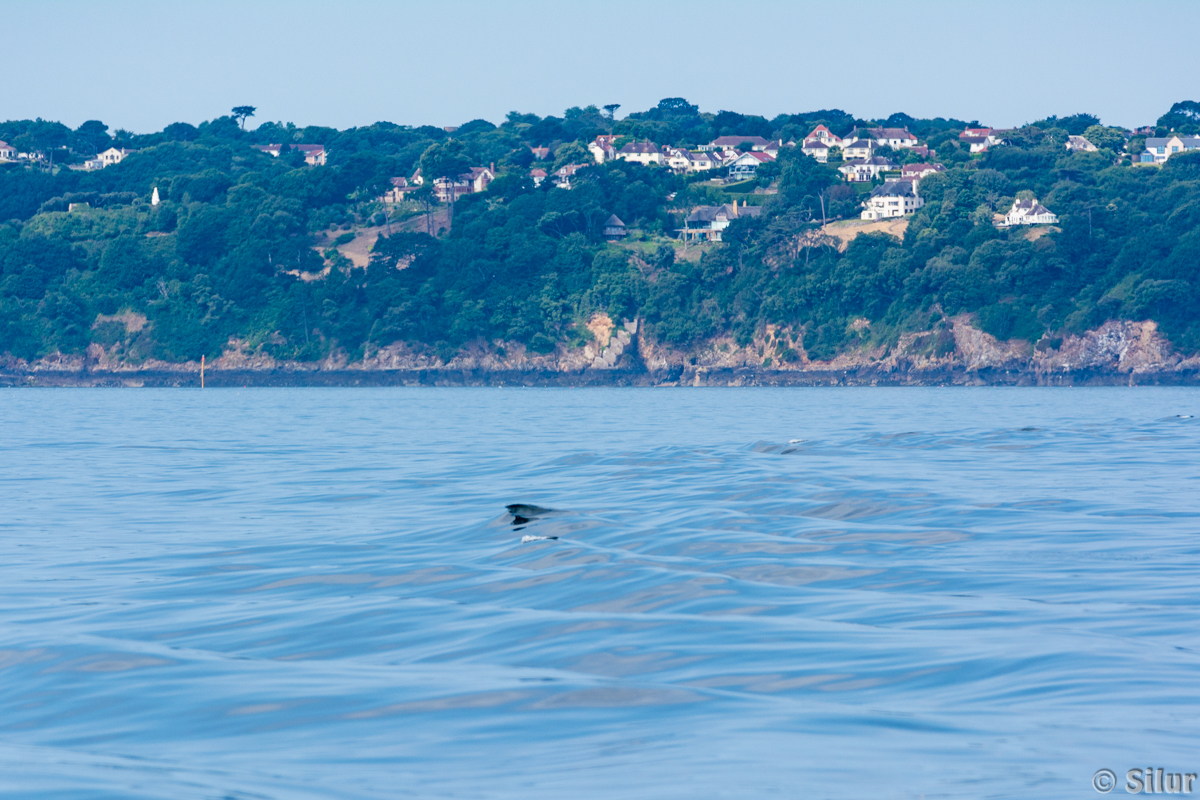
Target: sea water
{"type": "Point", "coordinates": [795, 593]}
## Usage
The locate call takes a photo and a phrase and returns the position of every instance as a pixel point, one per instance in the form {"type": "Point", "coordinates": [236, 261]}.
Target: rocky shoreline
{"type": "Point", "coordinates": [1120, 353]}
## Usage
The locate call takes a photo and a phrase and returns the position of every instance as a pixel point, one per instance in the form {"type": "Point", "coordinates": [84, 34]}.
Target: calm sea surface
{"type": "Point", "coordinates": [291, 593]}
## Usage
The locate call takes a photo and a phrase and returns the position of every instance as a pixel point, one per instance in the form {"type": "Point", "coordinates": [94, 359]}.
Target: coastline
{"type": "Point", "coordinates": [1119, 353]}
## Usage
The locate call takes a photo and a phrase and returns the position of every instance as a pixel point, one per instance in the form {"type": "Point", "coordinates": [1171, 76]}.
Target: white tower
{"type": "Point", "coordinates": [154, 197]}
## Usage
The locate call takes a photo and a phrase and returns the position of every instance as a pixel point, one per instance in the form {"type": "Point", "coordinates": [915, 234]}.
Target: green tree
{"type": "Point", "coordinates": [1105, 138]}
{"type": "Point", "coordinates": [240, 113]}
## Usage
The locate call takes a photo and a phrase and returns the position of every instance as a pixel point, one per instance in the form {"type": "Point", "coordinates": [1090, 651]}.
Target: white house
{"type": "Point", "coordinates": [112, 156]}
{"type": "Point", "coordinates": [565, 174]}
{"type": "Point", "coordinates": [537, 176]}
{"type": "Point", "coordinates": [745, 165]}
{"type": "Point", "coordinates": [474, 180]}
{"type": "Point", "coordinates": [677, 160]}
{"type": "Point", "coordinates": [915, 172]}
{"type": "Point", "coordinates": [703, 161]}
{"type": "Point", "coordinates": [861, 170]}
{"type": "Point", "coordinates": [816, 149]}
{"type": "Point", "coordinates": [314, 154]}
{"type": "Point", "coordinates": [1080, 145]}
{"type": "Point", "coordinates": [602, 148]}
{"type": "Point", "coordinates": [893, 199]}
{"type": "Point", "coordinates": [1028, 212]}
{"type": "Point", "coordinates": [642, 152]}
{"type": "Point", "coordinates": [1159, 150]}
{"type": "Point", "coordinates": [757, 143]}
{"type": "Point", "coordinates": [824, 136]}
{"type": "Point", "coordinates": [7, 152]}
{"type": "Point", "coordinates": [859, 148]}
{"type": "Point", "coordinates": [895, 138]}
{"type": "Point", "coordinates": [707, 222]}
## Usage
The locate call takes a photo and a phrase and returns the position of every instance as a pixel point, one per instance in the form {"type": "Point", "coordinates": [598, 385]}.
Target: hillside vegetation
{"type": "Point", "coordinates": [229, 252]}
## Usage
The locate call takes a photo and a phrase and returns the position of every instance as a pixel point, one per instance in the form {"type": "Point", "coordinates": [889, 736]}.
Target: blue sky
{"type": "Point", "coordinates": [141, 64]}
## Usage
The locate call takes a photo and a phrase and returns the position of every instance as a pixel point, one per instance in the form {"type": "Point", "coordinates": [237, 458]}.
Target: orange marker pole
{"type": "Point", "coordinates": [201, 371]}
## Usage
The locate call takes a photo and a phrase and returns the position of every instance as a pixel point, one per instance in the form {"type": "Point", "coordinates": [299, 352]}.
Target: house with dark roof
{"type": "Point", "coordinates": [646, 152]}
{"type": "Point", "coordinates": [895, 138]}
{"type": "Point", "coordinates": [757, 143]}
{"type": "Point", "coordinates": [893, 199]}
{"type": "Point", "coordinates": [859, 148]}
{"type": "Point", "coordinates": [861, 170]}
{"type": "Point", "coordinates": [707, 222]}
{"type": "Point", "coordinates": [1028, 212]}
{"type": "Point", "coordinates": [1161, 148]}
{"type": "Point", "coordinates": [614, 229]}
{"type": "Point", "coordinates": [816, 149]}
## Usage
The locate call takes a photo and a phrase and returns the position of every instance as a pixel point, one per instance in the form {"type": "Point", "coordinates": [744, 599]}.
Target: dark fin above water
{"type": "Point", "coordinates": [524, 510]}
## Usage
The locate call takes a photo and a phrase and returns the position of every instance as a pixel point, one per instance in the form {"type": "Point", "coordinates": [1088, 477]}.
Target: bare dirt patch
{"type": "Point", "coordinates": [846, 231]}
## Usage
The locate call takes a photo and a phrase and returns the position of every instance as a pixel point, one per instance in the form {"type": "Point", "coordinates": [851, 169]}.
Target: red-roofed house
{"type": "Point", "coordinates": [7, 152]}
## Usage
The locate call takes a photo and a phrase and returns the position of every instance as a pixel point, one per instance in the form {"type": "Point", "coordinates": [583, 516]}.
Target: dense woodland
{"type": "Point", "coordinates": [216, 257]}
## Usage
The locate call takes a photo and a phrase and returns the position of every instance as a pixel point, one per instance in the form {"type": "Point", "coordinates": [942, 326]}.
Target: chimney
{"type": "Point", "coordinates": [492, 168]}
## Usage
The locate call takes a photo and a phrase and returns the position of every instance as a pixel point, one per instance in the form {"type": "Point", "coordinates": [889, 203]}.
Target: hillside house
{"type": "Point", "coordinates": [896, 138]}
{"type": "Point", "coordinates": [614, 229]}
{"type": "Point", "coordinates": [1078, 144]}
{"type": "Point", "coordinates": [706, 222]}
{"type": "Point", "coordinates": [816, 149]}
{"type": "Point", "coordinates": [979, 133]}
{"type": "Point", "coordinates": [400, 189]}
{"type": "Point", "coordinates": [642, 152]}
{"type": "Point", "coordinates": [859, 148]}
{"type": "Point", "coordinates": [702, 161]}
{"type": "Point", "coordinates": [7, 152]}
{"type": "Point", "coordinates": [677, 160]}
{"type": "Point", "coordinates": [915, 172]}
{"type": "Point", "coordinates": [757, 143]}
{"type": "Point", "coordinates": [314, 154]}
{"type": "Point", "coordinates": [112, 156]}
{"type": "Point", "coordinates": [861, 170]}
{"type": "Point", "coordinates": [564, 176]}
{"type": "Point", "coordinates": [537, 175]}
{"type": "Point", "coordinates": [471, 182]}
{"type": "Point", "coordinates": [1028, 212]}
{"type": "Point", "coordinates": [540, 153]}
{"type": "Point", "coordinates": [1158, 150]}
{"type": "Point", "coordinates": [745, 166]}
{"type": "Point", "coordinates": [824, 136]}
{"type": "Point", "coordinates": [893, 199]}
{"type": "Point", "coordinates": [602, 148]}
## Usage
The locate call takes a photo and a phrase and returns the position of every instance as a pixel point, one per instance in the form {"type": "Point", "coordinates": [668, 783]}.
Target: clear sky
{"type": "Point", "coordinates": [142, 64]}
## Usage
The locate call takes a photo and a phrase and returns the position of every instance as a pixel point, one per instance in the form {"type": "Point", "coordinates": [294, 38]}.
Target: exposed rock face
{"type": "Point", "coordinates": [956, 352]}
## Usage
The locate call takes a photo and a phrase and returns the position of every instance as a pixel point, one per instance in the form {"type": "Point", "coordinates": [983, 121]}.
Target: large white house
{"type": "Point", "coordinates": [860, 170]}
{"type": "Point", "coordinates": [893, 199]}
{"type": "Point", "coordinates": [757, 143]}
{"type": "Point", "coordinates": [859, 148]}
{"type": "Point", "coordinates": [642, 152]}
{"type": "Point", "coordinates": [1159, 150]}
{"type": "Point", "coordinates": [7, 152]}
{"type": "Point", "coordinates": [1028, 212]}
{"type": "Point", "coordinates": [816, 149]}
{"type": "Point", "coordinates": [112, 155]}
{"type": "Point", "coordinates": [895, 138]}
{"type": "Point", "coordinates": [824, 136]}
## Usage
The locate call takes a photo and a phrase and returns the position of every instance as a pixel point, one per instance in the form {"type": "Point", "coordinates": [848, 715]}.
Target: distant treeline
{"type": "Point", "coordinates": [219, 256]}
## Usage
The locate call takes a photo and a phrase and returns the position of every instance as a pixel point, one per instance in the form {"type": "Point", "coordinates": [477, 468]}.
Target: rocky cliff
{"type": "Point", "coordinates": [955, 352]}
